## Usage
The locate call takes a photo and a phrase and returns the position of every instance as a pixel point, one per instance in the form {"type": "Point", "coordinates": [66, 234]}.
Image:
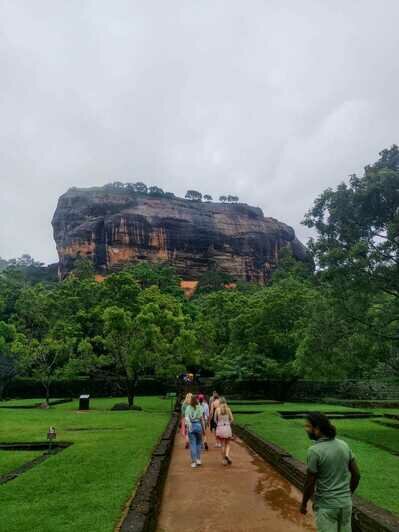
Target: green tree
{"type": "Point", "coordinates": [213, 280]}
{"type": "Point", "coordinates": [155, 340]}
{"type": "Point", "coordinates": [263, 334]}
{"type": "Point", "coordinates": [357, 248]}
{"type": "Point", "coordinates": [119, 341]}
{"type": "Point", "coordinates": [83, 268]}
{"type": "Point", "coordinates": [155, 191]}
{"type": "Point", "coordinates": [7, 359]}
{"type": "Point", "coordinates": [193, 195]}
{"type": "Point", "coordinates": [141, 187]}
{"type": "Point", "coordinates": [46, 360]}
{"type": "Point", "coordinates": [331, 347]}
{"type": "Point", "coordinates": [289, 266]}
{"type": "Point", "coordinates": [161, 275]}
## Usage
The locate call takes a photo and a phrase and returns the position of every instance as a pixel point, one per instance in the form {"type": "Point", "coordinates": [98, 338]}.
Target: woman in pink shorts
{"type": "Point", "coordinates": [224, 419]}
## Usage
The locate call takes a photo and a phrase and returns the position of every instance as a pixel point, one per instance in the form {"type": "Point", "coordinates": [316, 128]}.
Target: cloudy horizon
{"type": "Point", "coordinates": [272, 102]}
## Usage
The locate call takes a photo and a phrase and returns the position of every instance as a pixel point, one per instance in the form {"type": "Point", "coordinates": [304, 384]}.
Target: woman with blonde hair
{"type": "Point", "coordinates": [183, 424]}
{"type": "Point", "coordinates": [196, 430]}
{"type": "Point", "coordinates": [224, 419]}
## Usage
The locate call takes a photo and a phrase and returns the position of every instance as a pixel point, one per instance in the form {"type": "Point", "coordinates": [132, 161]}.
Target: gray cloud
{"type": "Point", "coordinates": [273, 101]}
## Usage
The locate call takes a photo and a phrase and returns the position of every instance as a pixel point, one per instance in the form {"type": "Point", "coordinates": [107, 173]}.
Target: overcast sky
{"type": "Point", "coordinates": [271, 100]}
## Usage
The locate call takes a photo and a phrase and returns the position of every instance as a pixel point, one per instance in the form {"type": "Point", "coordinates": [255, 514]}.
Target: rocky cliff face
{"type": "Point", "coordinates": [113, 228]}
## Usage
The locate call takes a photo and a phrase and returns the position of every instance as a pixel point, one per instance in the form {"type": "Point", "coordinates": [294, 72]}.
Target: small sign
{"type": "Point", "coordinates": [51, 434]}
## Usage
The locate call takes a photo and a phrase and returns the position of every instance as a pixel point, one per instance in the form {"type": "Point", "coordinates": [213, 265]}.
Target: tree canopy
{"type": "Point", "coordinates": [332, 316]}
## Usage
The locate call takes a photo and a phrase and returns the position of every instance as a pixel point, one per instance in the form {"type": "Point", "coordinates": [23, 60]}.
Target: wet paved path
{"type": "Point", "coordinates": [248, 496]}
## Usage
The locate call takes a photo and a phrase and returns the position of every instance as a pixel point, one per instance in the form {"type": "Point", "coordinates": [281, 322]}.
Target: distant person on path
{"type": "Point", "coordinates": [224, 418]}
{"type": "Point", "coordinates": [205, 408]}
{"type": "Point", "coordinates": [214, 406]}
{"type": "Point", "coordinates": [332, 476]}
{"type": "Point", "coordinates": [196, 429]}
{"type": "Point", "coordinates": [183, 426]}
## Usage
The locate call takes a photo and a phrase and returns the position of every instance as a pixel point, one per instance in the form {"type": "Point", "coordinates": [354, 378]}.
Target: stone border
{"type": "Point", "coordinates": [361, 403]}
{"type": "Point", "coordinates": [301, 414]}
{"type": "Point", "coordinates": [392, 416]}
{"type": "Point", "coordinates": [144, 508]}
{"type": "Point", "coordinates": [235, 402]}
{"type": "Point", "coordinates": [367, 517]}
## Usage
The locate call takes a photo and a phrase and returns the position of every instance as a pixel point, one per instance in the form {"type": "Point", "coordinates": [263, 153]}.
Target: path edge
{"type": "Point", "coordinates": [144, 508]}
{"type": "Point", "coordinates": [367, 517]}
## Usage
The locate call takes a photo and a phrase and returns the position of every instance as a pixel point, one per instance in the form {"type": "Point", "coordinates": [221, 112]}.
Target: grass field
{"type": "Point", "coordinates": [85, 487]}
{"type": "Point", "coordinates": [374, 444]}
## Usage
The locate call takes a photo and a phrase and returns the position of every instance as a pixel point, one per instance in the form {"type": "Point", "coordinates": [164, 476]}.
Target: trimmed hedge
{"type": "Point", "coordinates": [306, 390]}
{"type": "Point", "coordinates": [31, 388]}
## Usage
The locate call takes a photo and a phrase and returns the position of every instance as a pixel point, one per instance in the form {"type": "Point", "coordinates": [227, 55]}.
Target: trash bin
{"type": "Point", "coordinates": [84, 402]}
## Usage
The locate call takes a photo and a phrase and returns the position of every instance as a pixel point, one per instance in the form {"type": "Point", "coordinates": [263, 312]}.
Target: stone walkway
{"type": "Point", "coordinates": [248, 496]}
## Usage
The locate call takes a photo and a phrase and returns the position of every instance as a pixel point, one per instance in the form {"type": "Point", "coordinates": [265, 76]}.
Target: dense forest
{"type": "Point", "coordinates": [334, 317]}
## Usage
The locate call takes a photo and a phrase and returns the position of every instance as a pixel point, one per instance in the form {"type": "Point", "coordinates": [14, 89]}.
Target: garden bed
{"type": "Point", "coordinates": [302, 414]}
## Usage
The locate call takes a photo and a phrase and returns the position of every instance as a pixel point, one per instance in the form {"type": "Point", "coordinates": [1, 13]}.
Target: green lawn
{"type": "Point", "coordinates": [10, 460]}
{"type": "Point", "coordinates": [86, 486]}
{"type": "Point", "coordinates": [372, 443]}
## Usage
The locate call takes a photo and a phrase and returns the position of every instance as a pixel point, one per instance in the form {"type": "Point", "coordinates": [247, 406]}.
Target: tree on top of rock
{"type": "Point", "coordinates": [140, 187]}
{"type": "Point", "coordinates": [156, 191]}
{"type": "Point", "coordinates": [232, 199]}
{"type": "Point", "coordinates": [207, 197]}
{"type": "Point", "coordinates": [223, 199]}
{"type": "Point", "coordinates": [193, 195]}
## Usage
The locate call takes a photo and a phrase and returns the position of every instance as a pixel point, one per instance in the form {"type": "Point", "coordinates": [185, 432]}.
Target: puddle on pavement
{"type": "Point", "coordinates": [248, 496]}
{"type": "Point", "coordinates": [279, 495]}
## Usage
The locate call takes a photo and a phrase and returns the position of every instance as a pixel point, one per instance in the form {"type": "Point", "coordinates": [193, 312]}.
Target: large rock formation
{"type": "Point", "coordinates": [115, 227]}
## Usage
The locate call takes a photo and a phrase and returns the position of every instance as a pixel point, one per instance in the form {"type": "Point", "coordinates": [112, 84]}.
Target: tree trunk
{"type": "Point", "coordinates": [47, 389]}
{"type": "Point", "coordinates": [131, 392]}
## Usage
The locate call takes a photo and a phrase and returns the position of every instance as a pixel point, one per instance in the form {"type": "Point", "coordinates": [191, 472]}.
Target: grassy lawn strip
{"type": "Point", "coordinates": [10, 460]}
{"type": "Point", "coordinates": [86, 486]}
{"type": "Point", "coordinates": [379, 467]}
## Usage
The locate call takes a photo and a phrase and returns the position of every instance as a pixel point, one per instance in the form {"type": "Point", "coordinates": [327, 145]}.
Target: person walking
{"type": "Point", "coordinates": [196, 429]}
{"type": "Point", "coordinates": [214, 406]}
{"type": "Point", "coordinates": [224, 418]}
{"type": "Point", "coordinates": [332, 476]}
{"type": "Point", "coordinates": [183, 425]}
{"type": "Point", "coordinates": [205, 408]}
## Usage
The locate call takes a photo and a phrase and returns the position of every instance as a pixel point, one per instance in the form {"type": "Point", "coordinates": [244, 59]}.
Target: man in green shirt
{"type": "Point", "coordinates": [332, 476]}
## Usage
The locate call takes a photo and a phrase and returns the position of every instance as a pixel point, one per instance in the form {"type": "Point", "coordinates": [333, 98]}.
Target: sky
{"type": "Point", "coordinates": [272, 101]}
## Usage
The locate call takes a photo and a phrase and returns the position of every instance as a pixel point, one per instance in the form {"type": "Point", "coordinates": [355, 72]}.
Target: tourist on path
{"type": "Point", "coordinates": [196, 429]}
{"type": "Point", "coordinates": [214, 406]}
{"type": "Point", "coordinates": [332, 476]}
{"type": "Point", "coordinates": [205, 409]}
{"type": "Point", "coordinates": [224, 418]}
{"type": "Point", "coordinates": [183, 427]}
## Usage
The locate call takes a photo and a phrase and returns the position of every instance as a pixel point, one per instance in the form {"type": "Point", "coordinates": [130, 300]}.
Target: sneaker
{"type": "Point", "coordinates": [193, 465]}
{"type": "Point", "coordinates": [199, 462]}
{"type": "Point", "coordinates": [225, 462]}
{"type": "Point", "coordinates": [206, 447]}
{"type": "Point", "coordinates": [228, 460]}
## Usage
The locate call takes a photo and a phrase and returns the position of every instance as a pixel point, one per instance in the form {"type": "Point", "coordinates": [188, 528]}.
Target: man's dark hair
{"type": "Point", "coordinates": [321, 422]}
